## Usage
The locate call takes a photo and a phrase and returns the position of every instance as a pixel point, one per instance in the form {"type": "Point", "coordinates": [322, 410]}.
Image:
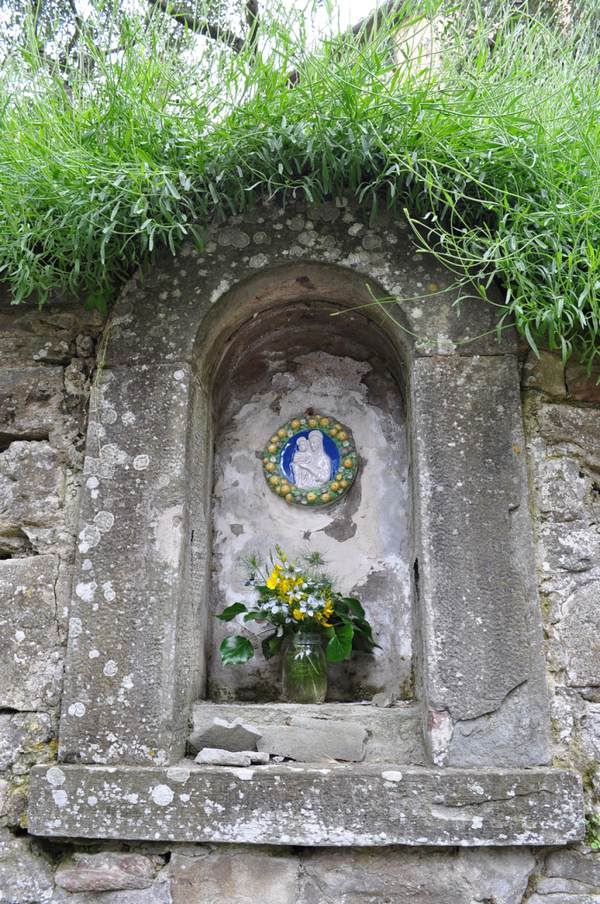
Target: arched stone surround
{"type": "Point", "coordinates": [135, 659]}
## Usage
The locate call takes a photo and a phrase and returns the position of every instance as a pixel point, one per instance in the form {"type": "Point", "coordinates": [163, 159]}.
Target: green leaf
{"type": "Point", "coordinates": [235, 650]}
{"type": "Point", "coordinates": [231, 611]}
{"type": "Point", "coordinates": [271, 645]}
{"type": "Point", "coordinates": [340, 645]}
{"type": "Point", "coordinates": [354, 606]}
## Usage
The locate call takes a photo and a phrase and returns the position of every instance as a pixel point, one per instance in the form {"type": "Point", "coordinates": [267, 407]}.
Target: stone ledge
{"type": "Point", "coordinates": [334, 805]}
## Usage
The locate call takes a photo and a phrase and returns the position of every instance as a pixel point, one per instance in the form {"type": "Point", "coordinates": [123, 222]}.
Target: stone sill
{"type": "Point", "coordinates": [338, 805]}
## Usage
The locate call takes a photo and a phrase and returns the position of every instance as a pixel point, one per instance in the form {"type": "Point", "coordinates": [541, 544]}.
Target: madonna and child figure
{"type": "Point", "coordinates": [311, 465]}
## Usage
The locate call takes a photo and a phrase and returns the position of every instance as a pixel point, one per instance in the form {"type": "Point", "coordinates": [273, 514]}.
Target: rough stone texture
{"type": "Point", "coordinates": [202, 876]}
{"type": "Point", "coordinates": [336, 805]}
{"type": "Point", "coordinates": [394, 733]}
{"type": "Point", "coordinates": [127, 678]}
{"type": "Point", "coordinates": [31, 664]}
{"type": "Point", "coordinates": [315, 740]}
{"type": "Point", "coordinates": [480, 624]}
{"type": "Point", "coordinates": [233, 735]}
{"type": "Point", "coordinates": [106, 872]}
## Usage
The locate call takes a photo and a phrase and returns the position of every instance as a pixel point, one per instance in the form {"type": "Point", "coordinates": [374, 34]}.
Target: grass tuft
{"type": "Point", "coordinates": [488, 136]}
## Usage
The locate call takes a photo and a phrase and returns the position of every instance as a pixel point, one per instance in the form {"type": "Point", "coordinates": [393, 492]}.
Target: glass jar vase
{"type": "Point", "coordinates": [304, 669]}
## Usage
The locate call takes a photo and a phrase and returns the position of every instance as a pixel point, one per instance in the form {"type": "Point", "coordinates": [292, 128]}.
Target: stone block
{"type": "Point", "coordinates": [26, 876]}
{"type": "Point", "coordinates": [31, 664]}
{"type": "Point", "coordinates": [234, 875]}
{"type": "Point", "coordinates": [583, 866]}
{"type": "Point", "coordinates": [48, 335]}
{"type": "Point", "coordinates": [579, 635]}
{"type": "Point", "coordinates": [107, 871]}
{"type": "Point", "coordinates": [401, 876]}
{"type": "Point", "coordinates": [315, 740]}
{"type": "Point", "coordinates": [571, 429]}
{"type": "Point", "coordinates": [583, 386]}
{"type": "Point", "coordinates": [545, 373]}
{"type": "Point", "coordinates": [32, 496]}
{"type": "Point", "coordinates": [338, 805]}
{"type": "Point", "coordinates": [30, 402]}
{"type": "Point", "coordinates": [394, 733]}
{"type": "Point", "coordinates": [475, 569]}
{"type": "Point", "coordinates": [234, 735]}
{"type": "Point", "coordinates": [211, 756]}
{"type": "Point", "coordinates": [25, 739]}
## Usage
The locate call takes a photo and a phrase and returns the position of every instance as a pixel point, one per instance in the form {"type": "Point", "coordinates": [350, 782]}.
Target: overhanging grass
{"type": "Point", "coordinates": [492, 146]}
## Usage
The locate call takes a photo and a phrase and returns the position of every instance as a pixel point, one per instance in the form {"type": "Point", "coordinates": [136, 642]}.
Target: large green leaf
{"type": "Point", "coordinates": [271, 645]}
{"type": "Point", "coordinates": [231, 611]}
{"type": "Point", "coordinates": [235, 650]}
{"type": "Point", "coordinates": [354, 606]}
{"type": "Point", "coordinates": [340, 645]}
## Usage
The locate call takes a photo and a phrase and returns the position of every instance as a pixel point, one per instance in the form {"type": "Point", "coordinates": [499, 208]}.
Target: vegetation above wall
{"type": "Point", "coordinates": [141, 126]}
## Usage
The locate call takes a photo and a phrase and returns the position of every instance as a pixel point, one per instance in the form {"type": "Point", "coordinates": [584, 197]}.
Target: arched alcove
{"type": "Point", "coordinates": [291, 356]}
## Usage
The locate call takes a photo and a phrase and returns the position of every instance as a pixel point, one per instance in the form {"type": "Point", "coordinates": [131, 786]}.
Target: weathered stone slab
{"type": "Point", "coordinates": [31, 662]}
{"type": "Point", "coordinates": [336, 805]}
{"type": "Point", "coordinates": [106, 871]}
{"type": "Point", "coordinates": [212, 756]}
{"type": "Point", "coordinates": [475, 570]}
{"type": "Point", "coordinates": [394, 733]}
{"type": "Point", "coordinates": [26, 876]}
{"type": "Point", "coordinates": [234, 735]}
{"type": "Point", "coordinates": [134, 647]}
{"type": "Point", "coordinates": [315, 740]}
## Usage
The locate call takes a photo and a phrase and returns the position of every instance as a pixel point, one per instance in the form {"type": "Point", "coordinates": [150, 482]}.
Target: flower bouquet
{"type": "Point", "coordinates": [310, 622]}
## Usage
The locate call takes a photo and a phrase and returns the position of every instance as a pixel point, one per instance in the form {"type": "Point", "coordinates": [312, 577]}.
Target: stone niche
{"type": "Point", "coordinates": [203, 359]}
{"type": "Point", "coordinates": [281, 361]}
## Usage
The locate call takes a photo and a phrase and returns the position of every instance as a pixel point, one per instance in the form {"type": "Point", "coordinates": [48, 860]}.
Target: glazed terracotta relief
{"type": "Point", "coordinates": [310, 460]}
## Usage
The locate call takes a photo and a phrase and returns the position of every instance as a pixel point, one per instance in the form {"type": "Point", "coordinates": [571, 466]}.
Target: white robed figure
{"type": "Point", "coordinates": [311, 465]}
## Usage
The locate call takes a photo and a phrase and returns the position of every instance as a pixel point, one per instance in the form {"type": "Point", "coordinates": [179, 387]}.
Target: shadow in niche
{"type": "Point", "coordinates": [276, 365]}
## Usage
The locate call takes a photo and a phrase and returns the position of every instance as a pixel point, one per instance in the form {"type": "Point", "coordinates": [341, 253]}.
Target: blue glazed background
{"type": "Point", "coordinates": [285, 459]}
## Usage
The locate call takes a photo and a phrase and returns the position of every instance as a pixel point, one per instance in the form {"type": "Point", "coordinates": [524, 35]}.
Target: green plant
{"type": "Point", "coordinates": [295, 598]}
{"type": "Point", "coordinates": [490, 143]}
{"type": "Point", "coordinates": [592, 834]}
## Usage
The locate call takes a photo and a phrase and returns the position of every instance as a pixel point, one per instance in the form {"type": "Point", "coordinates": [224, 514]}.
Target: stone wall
{"type": "Point", "coordinates": [47, 360]}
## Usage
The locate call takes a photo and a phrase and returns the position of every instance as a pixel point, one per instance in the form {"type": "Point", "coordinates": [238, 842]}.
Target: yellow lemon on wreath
{"type": "Point", "coordinates": [270, 466]}
{"type": "Point", "coordinates": [342, 435]}
{"type": "Point", "coordinates": [311, 497]}
{"type": "Point", "coordinates": [348, 462]}
{"type": "Point", "coordinates": [295, 423]}
{"type": "Point", "coordinates": [274, 479]}
{"type": "Point", "coordinates": [274, 439]}
{"type": "Point", "coordinates": [285, 488]}
{"type": "Point", "coordinates": [324, 421]}
{"type": "Point", "coordinates": [325, 497]}
{"type": "Point", "coordinates": [312, 422]}
{"type": "Point", "coordinates": [335, 486]}
{"type": "Point", "coordinates": [272, 448]}
{"type": "Point", "coordinates": [281, 433]}
{"type": "Point", "coordinates": [344, 483]}
{"type": "Point", "coordinates": [338, 476]}
{"type": "Point", "coordinates": [289, 498]}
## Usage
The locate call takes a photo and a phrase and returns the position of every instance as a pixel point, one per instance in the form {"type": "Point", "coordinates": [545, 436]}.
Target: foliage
{"type": "Point", "coordinates": [490, 142]}
{"type": "Point", "coordinates": [297, 598]}
{"type": "Point", "coordinates": [592, 835]}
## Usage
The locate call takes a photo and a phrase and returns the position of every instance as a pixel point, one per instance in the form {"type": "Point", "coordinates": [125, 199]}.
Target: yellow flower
{"type": "Point", "coordinates": [273, 579]}
{"type": "Point", "coordinates": [297, 614]}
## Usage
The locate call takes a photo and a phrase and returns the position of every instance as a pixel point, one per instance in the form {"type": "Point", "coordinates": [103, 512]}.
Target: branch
{"type": "Point", "coordinates": [184, 17]}
{"type": "Point", "coordinates": [370, 23]}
